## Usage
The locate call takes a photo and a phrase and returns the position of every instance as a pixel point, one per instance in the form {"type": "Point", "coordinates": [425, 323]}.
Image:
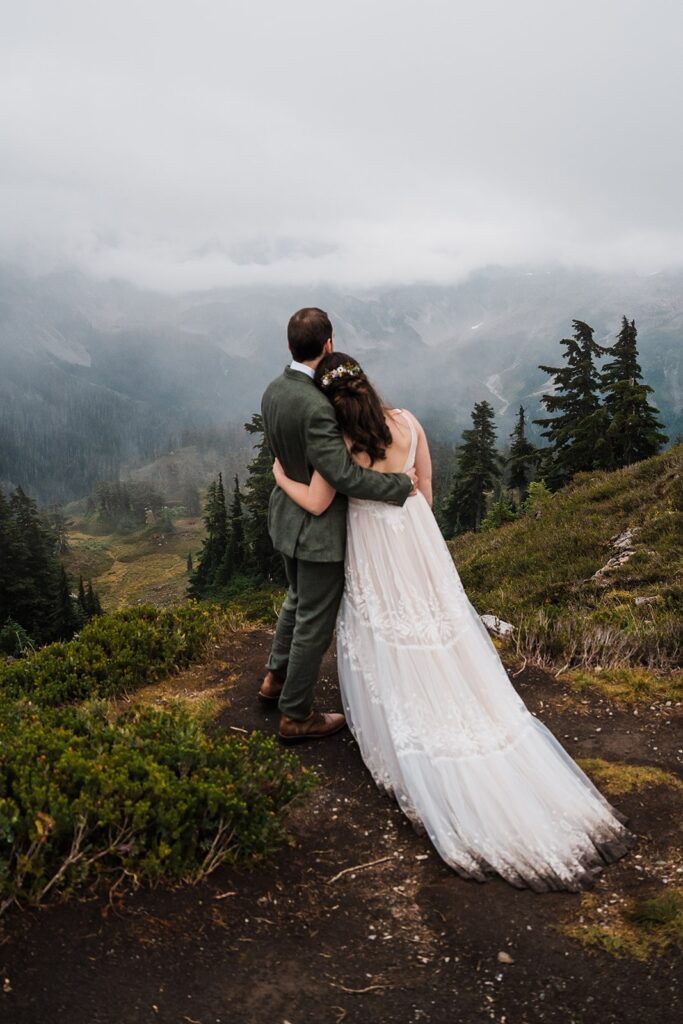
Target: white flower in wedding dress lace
{"type": "Point", "coordinates": [440, 726]}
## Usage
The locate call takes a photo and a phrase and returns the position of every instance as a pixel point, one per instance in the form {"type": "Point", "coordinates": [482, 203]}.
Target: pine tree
{"type": "Point", "coordinates": [215, 541]}
{"type": "Point", "coordinates": [66, 616]}
{"type": "Point", "coordinates": [262, 560]}
{"type": "Point", "coordinates": [634, 432]}
{"type": "Point", "coordinates": [521, 460]}
{"type": "Point", "coordinates": [478, 469]}
{"type": "Point", "coordinates": [34, 576]}
{"type": "Point", "coordinates": [236, 545]}
{"type": "Point", "coordinates": [189, 562]}
{"type": "Point", "coordinates": [221, 517]}
{"type": "Point", "coordinates": [60, 526]}
{"type": "Point", "coordinates": [35, 593]}
{"type": "Point", "coordinates": [93, 602]}
{"type": "Point", "coordinates": [82, 599]}
{"type": "Point", "coordinates": [500, 512]}
{"type": "Point", "coordinates": [577, 432]}
{"type": "Point", "coordinates": [8, 559]}
{"type": "Point", "coordinates": [536, 500]}
{"type": "Point", "coordinates": [234, 560]}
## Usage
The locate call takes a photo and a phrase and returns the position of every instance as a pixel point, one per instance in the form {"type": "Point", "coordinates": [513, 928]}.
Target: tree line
{"type": "Point", "coordinates": [37, 603]}
{"type": "Point", "coordinates": [601, 418]}
{"type": "Point", "coordinates": [236, 552]}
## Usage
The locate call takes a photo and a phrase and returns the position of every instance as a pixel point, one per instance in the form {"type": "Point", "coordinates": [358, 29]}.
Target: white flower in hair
{"type": "Point", "coordinates": [345, 370]}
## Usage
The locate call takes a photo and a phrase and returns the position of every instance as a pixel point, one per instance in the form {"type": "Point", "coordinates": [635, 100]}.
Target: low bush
{"type": "Point", "coordinates": [146, 796]}
{"type": "Point", "coordinates": [262, 604]}
{"type": "Point", "coordinates": [113, 654]}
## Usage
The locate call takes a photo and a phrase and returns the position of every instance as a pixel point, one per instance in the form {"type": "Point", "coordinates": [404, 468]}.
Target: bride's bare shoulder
{"type": "Point", "coordinates": [400, 414]}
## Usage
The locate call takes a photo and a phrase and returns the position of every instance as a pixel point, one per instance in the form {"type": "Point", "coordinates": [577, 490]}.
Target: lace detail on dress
{"type": "Point", "coordinates": [439, 725]}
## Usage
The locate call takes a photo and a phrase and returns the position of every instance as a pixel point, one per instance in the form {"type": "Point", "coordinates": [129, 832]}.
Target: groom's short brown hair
{"type": "Point", "coordinates": [307, 332]}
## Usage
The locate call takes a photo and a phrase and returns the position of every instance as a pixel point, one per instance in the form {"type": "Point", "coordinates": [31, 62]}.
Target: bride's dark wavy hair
{"type": "Point", "coordinates": [360, 410]}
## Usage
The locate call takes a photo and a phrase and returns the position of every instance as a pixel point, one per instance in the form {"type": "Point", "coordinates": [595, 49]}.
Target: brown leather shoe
{"type": "Point", "coordinates": [316, 726]}
{"type": "Point", "coordinates": [271, 687]}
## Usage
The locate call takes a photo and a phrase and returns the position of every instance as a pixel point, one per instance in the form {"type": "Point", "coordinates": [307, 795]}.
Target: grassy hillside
{"type": "Point", "coordinates": [146, 566]}
{"type": "Point", "coordinates": [536, 572]}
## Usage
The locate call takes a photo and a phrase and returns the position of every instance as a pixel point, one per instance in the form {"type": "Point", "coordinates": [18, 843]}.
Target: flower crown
{"type": "Point", "coordinates": [345, 370]}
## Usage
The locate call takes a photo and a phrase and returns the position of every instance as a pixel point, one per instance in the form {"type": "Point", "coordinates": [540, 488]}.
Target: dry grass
{"type": "Point", "coordinates": [614, 778]}
{"type": "Point", "coordinates": [628, 686]}
{"type": "Point", "coordinates": [137, 568]}
{"type": "Point", "coordinates": [639, 929]}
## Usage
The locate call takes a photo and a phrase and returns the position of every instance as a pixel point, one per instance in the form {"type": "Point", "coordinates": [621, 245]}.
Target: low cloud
{"type": "Point", "coordinates": [361, 145]}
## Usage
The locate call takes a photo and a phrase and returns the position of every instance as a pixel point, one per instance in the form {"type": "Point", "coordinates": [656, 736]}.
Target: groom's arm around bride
{"type": "Point", "coordinates": [302, 431]}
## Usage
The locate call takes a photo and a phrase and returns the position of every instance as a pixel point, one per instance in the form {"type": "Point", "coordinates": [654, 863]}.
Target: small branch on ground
{"type": "Point", "coordinates": [358, 991]}
{"type": "Point", "coordinates": [358, 867]}
{"type": "Point", "coordinates": [519, 671]}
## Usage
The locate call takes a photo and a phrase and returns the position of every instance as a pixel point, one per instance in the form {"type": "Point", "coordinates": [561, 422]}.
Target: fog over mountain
{"type": "Point", "coordinates": [123, 372]}
{"type": "Point", "coordinates": [453, 182]}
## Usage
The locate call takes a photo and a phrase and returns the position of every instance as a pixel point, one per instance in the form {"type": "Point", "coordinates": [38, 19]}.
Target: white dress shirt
{"type": "Point", "coordinates": [302, 368]}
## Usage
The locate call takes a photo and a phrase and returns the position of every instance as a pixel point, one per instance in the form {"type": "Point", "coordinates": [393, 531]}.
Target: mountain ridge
{"type": "Point", "coordinates": [204, 357]}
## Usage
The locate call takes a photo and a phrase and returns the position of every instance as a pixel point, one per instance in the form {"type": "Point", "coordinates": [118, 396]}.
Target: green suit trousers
{"type": "Point", "coordinates": [304, 630]}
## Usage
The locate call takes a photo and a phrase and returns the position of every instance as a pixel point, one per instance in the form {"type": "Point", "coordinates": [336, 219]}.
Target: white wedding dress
{"type": "Point", "coordinates": [439, 724]}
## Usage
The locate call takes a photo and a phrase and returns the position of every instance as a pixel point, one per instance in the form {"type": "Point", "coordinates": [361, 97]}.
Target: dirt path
{"type": "Point", "coordinates": [402, 941]}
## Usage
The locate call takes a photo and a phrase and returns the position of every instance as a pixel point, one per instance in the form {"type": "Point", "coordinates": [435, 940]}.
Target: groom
{"type": "Point", "coordinates": [302, 431]}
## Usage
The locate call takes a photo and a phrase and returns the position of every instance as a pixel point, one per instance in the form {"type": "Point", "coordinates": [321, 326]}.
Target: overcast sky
{"type": "Point", "coordinates": [208, 142]}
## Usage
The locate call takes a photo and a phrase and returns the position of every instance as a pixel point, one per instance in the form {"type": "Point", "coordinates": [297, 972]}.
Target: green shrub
{"type": "Point", "coordinates": [148, 796]}
{"type": "Point", "coordinates": [261, 604]}
{"type": "Point", "coordinates": [15, 641]}
{"type": "Point", "coordinates": [114, 654]}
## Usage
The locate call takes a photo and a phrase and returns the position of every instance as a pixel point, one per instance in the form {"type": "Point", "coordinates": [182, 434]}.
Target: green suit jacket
{"type": "Point", "coordinates": [302, 431]}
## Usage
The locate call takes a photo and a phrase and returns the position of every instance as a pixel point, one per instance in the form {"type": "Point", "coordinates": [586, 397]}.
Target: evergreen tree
{"type": "Point", "coordinates": [60, 526]}
{"type": "Point", "coordinates": [201, 578]}
{"type": "Point", "coordinates": [126, 505]}
{"type": "Point", "coordinates": [536, 500]}
{"type": "Point", "coordinates": [634, 432]}
{"type": "Point", "coordinates": [14, 640]}
{"type": "Point", "coordinates": [92, 601]}
{"type": "Point", "coordinates": [8, 550]}
{"type": "Point", "coordinates": [215, 541]}
{"type": "Point", "coordinates": [35, 594]}
{"type": "Point", "coordinates": [221, 515]}
{"type": "Point", "coordinates": [263, 561]}
{"type": "Point", "coordinates": [500, 512]}
{"type": "Point", "coordinates": [82, 599]}
{"type": "Point", "coordinates": [34, 577]}
{"type": "Point", "coordinates": [521, 460]}
{"type": "Point", "coordinates": [67, 615]}
{"type": "Point", "coordinates": [189, 562]}
{"type": "Point", "coordinates": [234, 559]}
{"type": "Point", "coordinates": [478, 469]}
{"type": "Point", "coordinates": [577, 432]}
{"type": "Point", "coordinates": [236, 544]}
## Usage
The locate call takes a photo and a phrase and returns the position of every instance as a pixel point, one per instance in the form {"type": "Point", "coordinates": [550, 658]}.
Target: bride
{"type": "Point", "coordinates": [438, 723]}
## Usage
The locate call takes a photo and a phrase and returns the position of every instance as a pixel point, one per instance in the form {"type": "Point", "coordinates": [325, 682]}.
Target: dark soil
{"type": "Point", "coordinates": [403, 940]}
